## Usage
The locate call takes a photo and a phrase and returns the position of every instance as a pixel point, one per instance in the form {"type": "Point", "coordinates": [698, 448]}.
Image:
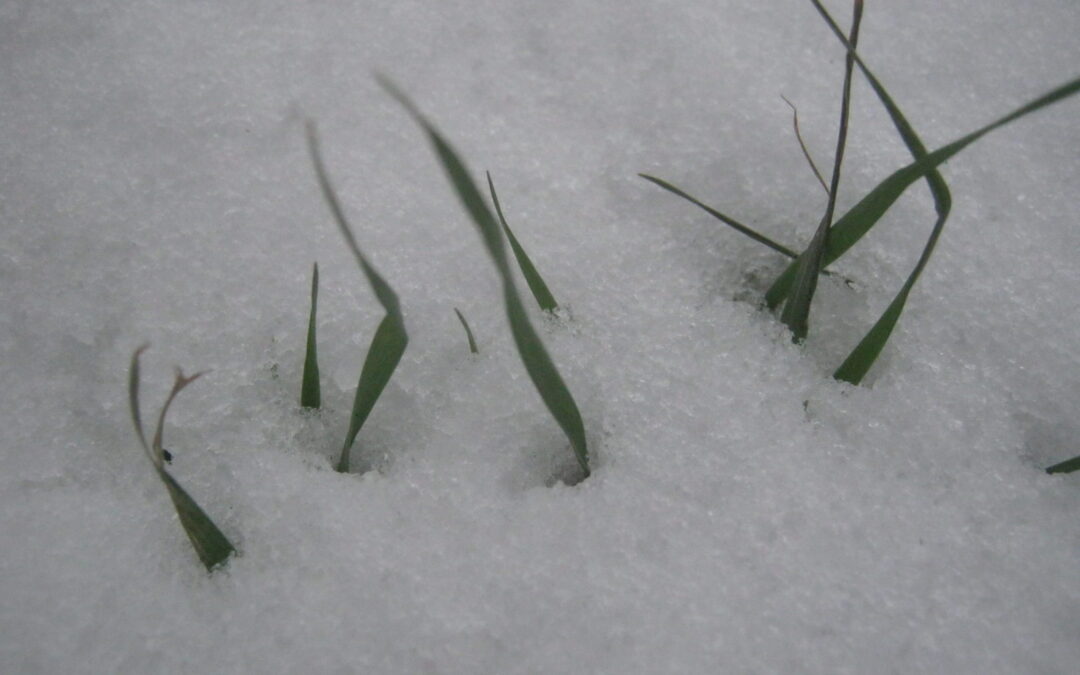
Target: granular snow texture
{"type": "Point", "coordinates": [747, 513]}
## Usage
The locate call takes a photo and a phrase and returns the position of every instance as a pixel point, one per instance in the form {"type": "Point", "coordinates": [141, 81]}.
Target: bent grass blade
{"type": "Point", "coordinates": [390, 339]}
{"type": "Point", "coordinates": [210, 544]}
{"type": "Point", "coordinates": [536, 284]}
{"type": "Point", "coordinates": [734, 224]}
{"type": "Point", "coordinates": [859, 361]}
{"type": "Point", "coordinates": [865, 214]}
{"type": "Point", "coordinates": [541, 369]}
{"type": "Point", "coordinates": [796, 314]}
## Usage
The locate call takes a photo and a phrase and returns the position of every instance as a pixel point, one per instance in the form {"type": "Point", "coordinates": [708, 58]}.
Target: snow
{"type": "Point", "coordinates": [746, 512]}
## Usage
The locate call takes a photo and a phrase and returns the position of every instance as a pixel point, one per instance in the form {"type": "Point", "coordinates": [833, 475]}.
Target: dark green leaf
{"type": "Point", "coordinates": [385, 352]}
{"type": "Point", "coordinates": [1068, 466]}
{"type": "Point", "coordinates": [133, 403]}
{"type": "Point", "coordinates": [539, 289]}
{"type": "Point", "coordinates": [802, 144]}
{"type": "Point", "coordinates": [210, 544]}
{"type": "Point", "coordinates": [731, 222]}
{"type": "Point", "coordinates": [858, 363]}
{"type": "Point", "coordinates": [796, 312]}
{"type": "Point", "coordinates": [310, 395]}
{"type": "Point", "coordinates": [865, 214]}
{"type": "Point", "coordinates": [212, 547]}
{"type": "Point", "coordinates": [538, 364]}
{"type": "Point", "coordinates": [390, 339]}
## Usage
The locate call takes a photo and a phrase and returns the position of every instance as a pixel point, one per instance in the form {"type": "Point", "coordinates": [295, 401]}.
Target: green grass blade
{"type": "Point", "coordinates": [864, 215]}
{"type": "Point", "coordinates": [796, 314]}
{"type": "Point", "coordinates": [915, 145]}
{"type": "Point", "coordinates": [387, 346]}
{"type": "Point", "coordinates": [468, 332]}
{"type": "Point", "coordinates": [310, 394]}
{"type": "Point", "coordinates": [390, 339]}
{"type": "Point", "coordinates": [730, 222]}
{"type": "Point", "coordinates": [539, 289]}
{"type": "Point", "coordinates": [212, 547]}
{"type": "Point", "coordinates": [538, 363]}
{"type": "Point", "coordinates": [1068, 466]}
{"type": "Point", "coordinates": [860, 360]}
{"type": "Point", "coordinates": [735, 225]}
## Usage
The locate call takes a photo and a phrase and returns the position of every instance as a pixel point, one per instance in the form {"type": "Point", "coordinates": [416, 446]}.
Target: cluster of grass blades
{"type": "Point", "coordinates": [538, 363]}
{"type": "Point", "coordinates": [212, 547]}
{"type": "Point", "coordinates": [795, 287]}
{"type": "Point", "coordinates": [390, 339]}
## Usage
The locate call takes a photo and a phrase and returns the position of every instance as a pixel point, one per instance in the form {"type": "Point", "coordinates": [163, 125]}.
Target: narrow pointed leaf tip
{"type": "Point", "coordinates": [730, 222]}
{"type": "Point", "coordinates": [310, 391]}
{"type": "Point", "coordinates": [864, 215]}
{"type": "Point", "coordinates": [734, 224]}
{"type": "Point", "coordinates": [390, 339]}
{"type": "Point", "coordinates": [210, 544]}
{"type": "Point", "coordinates": [536, 284]}
{"type": "Point", "coordinates": [1068, 466]}
{"type": "Point", "coordinates": [541, 369]}
{"type": "Point", "coordinates": [862, 358]}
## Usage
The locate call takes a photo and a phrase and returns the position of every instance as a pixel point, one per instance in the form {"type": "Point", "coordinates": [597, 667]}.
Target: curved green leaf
{"type": "Point", "coordinates": [539, 289]}
{"type": "Point", "coordinates": [796, 314]}
{"type": "Point", "coordinates": [538, 363]}
{"type": "Point", "coordinates": [1068, 466]}
{"type": "Point", "coordinates": [390, 339]}
{"type": "Point", "coordinates": [212, 547]}
{"type": "Point", "coordinates": [858, 363]}
{"type": "Point", "coordinates": [864, 215]}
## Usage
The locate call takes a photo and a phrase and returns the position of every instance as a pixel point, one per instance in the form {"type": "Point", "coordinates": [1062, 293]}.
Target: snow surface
{"type": "Point", "coordinates": [746, 514]}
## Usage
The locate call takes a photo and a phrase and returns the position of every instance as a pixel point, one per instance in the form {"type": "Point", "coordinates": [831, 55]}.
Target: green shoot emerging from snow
{"type": "Point", "coordinates": [310, 396]}
{"type": "Point", "coordinates": [538, 364]}
{"type": "Point", "coordinates": [212, 547]}
{"type": "Point", "coordinates": [539, 289]}
{"type": "Point", "coordinates": [390, 339]}
{"type": "Point", "coordinates": [796, 312]}
{"type": "Point", "coordinates": [832, 239]}
{"type": "Point", "coordinates": [468, 331]}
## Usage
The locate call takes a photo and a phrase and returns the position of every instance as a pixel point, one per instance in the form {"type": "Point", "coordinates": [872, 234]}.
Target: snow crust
{"type": "Point", "coordinates": [747, 513]}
